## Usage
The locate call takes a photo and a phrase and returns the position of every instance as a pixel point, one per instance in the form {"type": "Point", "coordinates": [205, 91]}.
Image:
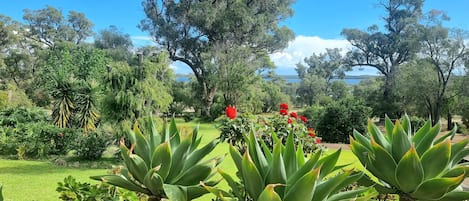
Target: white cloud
{"type": "Point", "coordinates": [305, 46]}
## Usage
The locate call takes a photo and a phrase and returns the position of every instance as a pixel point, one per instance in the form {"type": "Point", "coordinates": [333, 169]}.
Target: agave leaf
{"type": "Point", "coordinates": [455, 195]}
{"type": "Point", "coordinates": [447, 135]}
{"type": "Point", "coordinates": [383, 162]}
{"type": "Point", "coordinates": [138, 167]}
{"type": "Point", "coordinates": [174, 133]}
{"type": "Point", "coordinates": [389, 126]}
{"type": "Point", "coordinates": [291, 164]}
{"type": "Point", "coordinates": [353, 177]}
{"type": "Point", "coordinates": [427, 140]}
{"type": "Point", "coordinates": [409, 171]}
{"type": "Point", "coordinates": [218, 192]}
{"type": "Point", "coordinates": [195, 174]}
{"type": "Point", "coordinates": [195, 191]}
{"type": "Point", "coordinates": [266, 150]}
{"type": "Point", "coordinates": [328, 163]}
{"type": "Point", "coordinates": [251, 177]}
{"type": "Point", "coordinates": [456, 148]}
{"type": "Point", "coordinates": [406, 124]}
{"type": "Point", "coordinates": [120, 181]}
{"type": "Point", "coordinates": [378, 136]}
{"type": "Point", "coordinates": [196, 155]}
{"type": "Point", "coordinates": [436, 159]}
{"type": "Point", "coordinates": [436, 188]}
{"type": "Point", "coordinates": [303, 189]}
{"type": "Point", "coordinates": [155, 138]}
{"type": "Point", "coordinates": [179, 154]}
{"type": "Point", "coordinates": [421, 132]}
{"type": "Point", "coordinates": [362, 140]}
{"type": "Point", "coordinates": [195, 140]}
{"type": "Point", "coordinates": [175, 192]}
{"type": "Point", "coordinates": [269, 194]}
{"type": "Point", "coordinates": [327, 187]}
{"type": "Point", "coordinates": [257, 155]}
{"type": "Point", "coordinates": [237, 158]}
{"type": "Point", "coordinates": [366, 181]}
{"type": "Point", "coordinates": [308, 166]}
{"type": "Point", "coordinates": [459, 156]}
{"type": "Point", "coordinates": [162, 157]}
{"type": "Point", "coordinates": [300, 155]}
{"type": "Point", "coordinates": [456, 171]}
{"type": "Point", "coordinates": [360, 151]}
{"type": "Point", "coordinates": [231, 182]}
{"type": "Point", "coordinates": [400, 142]}
{"type": "Point", "coordinates": [368, 194]}
{"type": "Point", "coordinates": [277, 173]}
{"type": "Point", "coordinates": [153, 182]}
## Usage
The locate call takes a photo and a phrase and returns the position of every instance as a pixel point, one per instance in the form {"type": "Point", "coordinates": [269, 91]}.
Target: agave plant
{"type": "Point", "coordinates": [284, 174]}
{"type": "Point", "coordinates": [166, 166]}
{"type": "Point", "coordinates": [416, 166]}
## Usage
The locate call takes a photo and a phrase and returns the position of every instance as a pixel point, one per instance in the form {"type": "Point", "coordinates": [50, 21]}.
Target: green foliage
{"type": "Point", "coordinates": [314, 113]}
{"type": "Point", "coordinates": [91, 145]}
{"type": "Point", "coordinates": [70, 190]}
{"type": "Point", "coordinates": [27, 133]}
{"type": "Point", "coordinates": [417, 166]}
{"type": "Point", "coordinates": [233, 131]}
{"type": "Point", "coordinates": [167, 165]}
{"type": "Point", "coordinates": [284, 174]}
{"type": "Point", "coordinates": [339, 119]}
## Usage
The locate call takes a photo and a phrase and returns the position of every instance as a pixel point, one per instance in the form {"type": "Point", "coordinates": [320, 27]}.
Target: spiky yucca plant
{"type": "Point", "coordinates": [284, 174]}
{"type": "Point", "coordinates": [164, 166]}
{"type": "Point", "coordinates": [416, 166]}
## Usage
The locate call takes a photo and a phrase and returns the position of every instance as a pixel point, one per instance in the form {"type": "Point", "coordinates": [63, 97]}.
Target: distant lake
{"type": "Point", "coordinates": [350, 80]}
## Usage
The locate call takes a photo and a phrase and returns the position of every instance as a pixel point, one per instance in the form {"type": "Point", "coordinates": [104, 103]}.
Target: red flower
{"type": "Point", "coordinates": [283, 112]}
{"type": "Point", "coordinates": [230, 112]}
{"type": "Point", "coordinates": [283, 106]}
{"type": "Point", "coordinates": [289, 121]}
{"type": "Point", "coordinates": [304, 119]}
{"type": "Point", "coordinates": [311, 132]}
{"type": "Point", "coordinates": [294, 115]}
{"type": "Point", "coordinates": [318, 140]}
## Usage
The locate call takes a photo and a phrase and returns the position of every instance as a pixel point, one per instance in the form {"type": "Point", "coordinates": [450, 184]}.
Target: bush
{"type": "Point", "coordinates": [27, 133]}
{"type": "Point", "coordinates": [313, 113]}
{"type": "Point", "coordinates": [416, 122]}
{"type": "Point", "coordinates": [91, 145]}
{"type": "Point", "coordinates": [71, 189]}
{"type": "Point", "coordinates": [340, 118]}
{"type": "Point", "coordinates": [283, 125]}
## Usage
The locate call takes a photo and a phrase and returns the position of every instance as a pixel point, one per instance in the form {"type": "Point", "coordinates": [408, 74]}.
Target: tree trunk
{"type": "Point", "coordinates": [388, 106]}
{"type": "Point", "coordinates": [436, 113]}
{"type": "Point", "coordinates": [208, 94]}
{"type": "Point", "coordinates": [449, 120]}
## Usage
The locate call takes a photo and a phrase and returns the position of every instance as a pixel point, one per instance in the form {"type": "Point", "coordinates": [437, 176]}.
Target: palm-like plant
{"type": "Point", "coordinates": [417, 166]}
{"type": "Point", "coordinates": [166, 166]}
{"type": "Point", "coordinates": [86, 106]}
{"type": "Point", "coordinates": [63, 93]}
{"type": "Point", "coordinates": [283, 174]}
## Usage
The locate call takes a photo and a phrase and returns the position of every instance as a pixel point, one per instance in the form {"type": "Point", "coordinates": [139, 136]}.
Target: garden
{"type": "Point", "coordinates": [88, 115]}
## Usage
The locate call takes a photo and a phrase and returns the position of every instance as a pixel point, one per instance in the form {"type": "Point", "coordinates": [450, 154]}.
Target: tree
{"type": "Point", "coordinates": [445, 51]}
{"type": "Point", "coordinates": [48, 26]}
{"type": "Point", "coordinates": [387, 50]}
{"type": "Point", "coordinates": [311, 88]}
{"type": "Point", "coordinates": [117, 44]}
{"type": "Point", "coordinates": [134, 91]}
{"type": "Point", "coordinates": [187, 29]}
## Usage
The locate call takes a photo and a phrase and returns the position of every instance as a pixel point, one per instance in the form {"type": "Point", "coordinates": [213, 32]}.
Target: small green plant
{"type": "Point", "coordinates": [91, 145]}
{"type": "Point", "coordinates": [416, 166]}
{"type": "Point", "coordinates": [164, 166]}
{"type": "Point", "coordinates": [284, 174]}
{"type": "Point", "coordinates": [71, 190]}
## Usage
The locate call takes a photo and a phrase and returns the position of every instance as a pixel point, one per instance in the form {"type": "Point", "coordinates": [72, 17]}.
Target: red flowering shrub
{"type": "Point", "coordinates": [304, 119]}
{"type": "Point", "coordinates": [281, 126]}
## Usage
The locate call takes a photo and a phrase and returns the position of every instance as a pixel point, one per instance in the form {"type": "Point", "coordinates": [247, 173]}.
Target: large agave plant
{"type": "Point", "coordinates": [164, 166]}
{"type": "Point", "coordinates": [284, 174]}
{"type": "Point", "coordinates": [417, 166]}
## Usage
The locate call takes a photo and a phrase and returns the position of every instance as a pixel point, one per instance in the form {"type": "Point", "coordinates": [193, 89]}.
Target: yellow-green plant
{"type": "Point", "coordinates": [416, 166]}
{"type": "Point", "coordinates": [166, 166]}
{"type": "Point", "coordinates": [284, 174]}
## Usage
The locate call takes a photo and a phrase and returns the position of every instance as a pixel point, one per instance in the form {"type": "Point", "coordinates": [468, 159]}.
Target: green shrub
{"type": "Point", "coordinates": [313, 113]}
{"type": "Point", "coordinates": [416, 122]}
{"type": "Point", "coordinates": [340, 118]}
{"type": "Point", "coordinates": [91, 145]}
{"type": "Point", "coordinates": [70, 189]}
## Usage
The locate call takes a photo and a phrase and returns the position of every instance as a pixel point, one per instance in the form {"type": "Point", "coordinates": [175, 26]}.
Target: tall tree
{"type": "Point", "coordinates": [116, 43]}
{"type": "Point", "coordinates": [48, 26]}
{"type": "Point", "coordinates": [446, 51]}
{"type": "Point", "coordinates": [387, 50]}
{"type": "Point", "coordinates": [188, 28]}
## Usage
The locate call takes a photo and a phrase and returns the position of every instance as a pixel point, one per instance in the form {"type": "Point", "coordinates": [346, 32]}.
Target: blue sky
{"type": "Point", "coordinates": [316, 23]}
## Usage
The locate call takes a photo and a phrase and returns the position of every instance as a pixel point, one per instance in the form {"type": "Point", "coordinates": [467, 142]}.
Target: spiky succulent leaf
{"type": "Point", "coordinates": [409, 171]}
{"type": "Point", "coordinates": [436, 159]}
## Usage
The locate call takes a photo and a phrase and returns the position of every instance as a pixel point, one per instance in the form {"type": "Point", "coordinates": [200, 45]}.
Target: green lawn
{"type": "Point", "coordinates": [36, 180]}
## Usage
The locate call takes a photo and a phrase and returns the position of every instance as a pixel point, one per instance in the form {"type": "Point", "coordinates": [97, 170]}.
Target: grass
{"type": "Point", "coordinates": [37, 180]}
